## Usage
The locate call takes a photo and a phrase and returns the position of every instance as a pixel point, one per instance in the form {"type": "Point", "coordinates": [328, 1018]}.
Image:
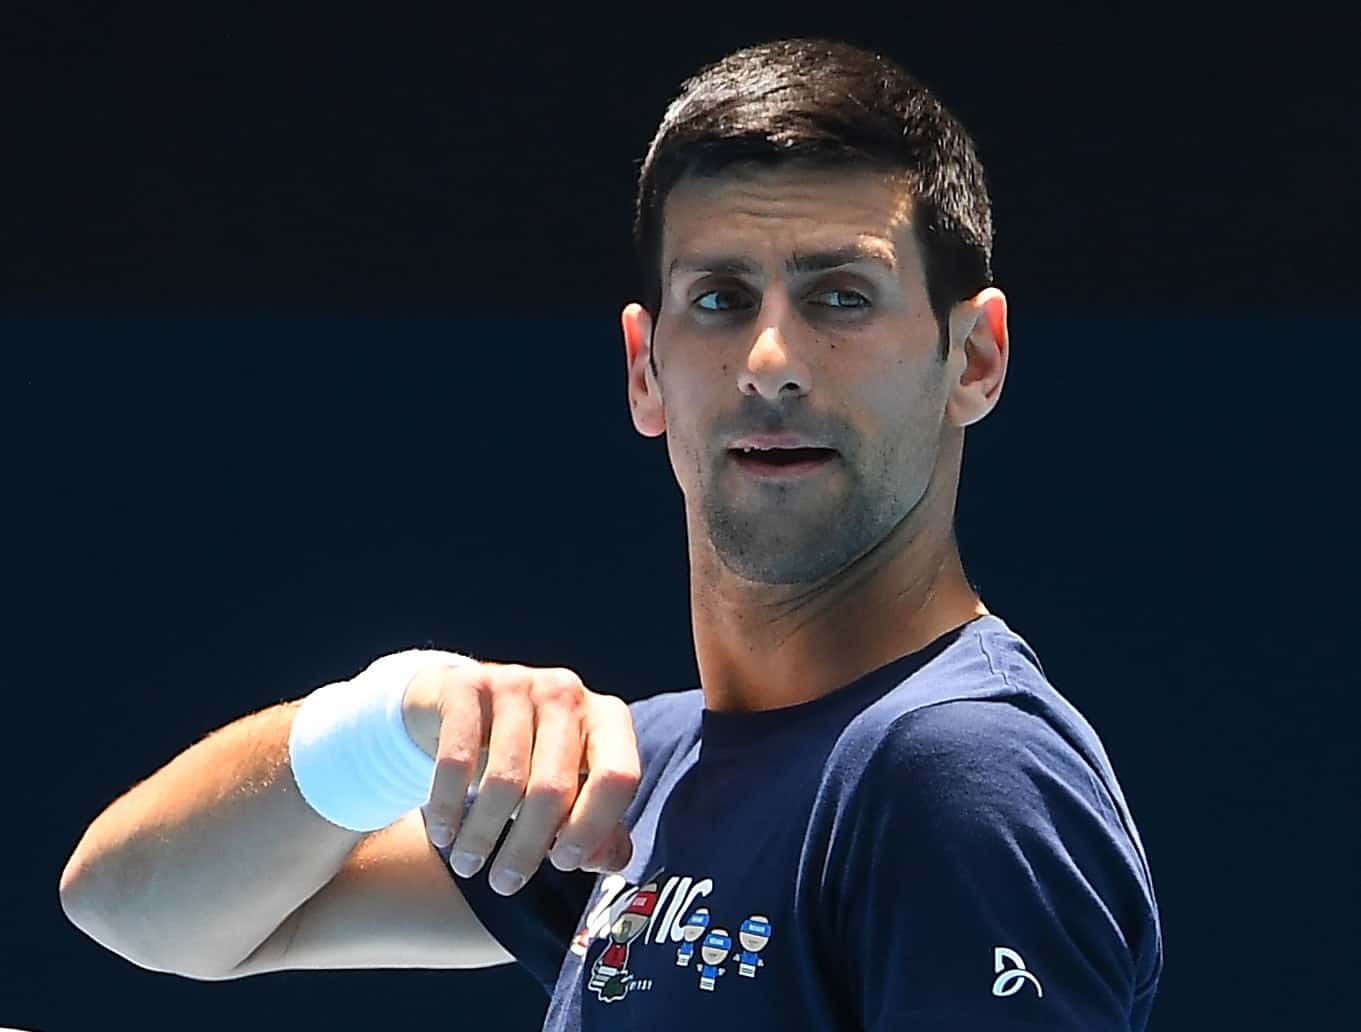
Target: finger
{"type": "Point", "coordinates": [614, 853]}
{"type": "Point", "coordinates": [462, 724]}
{"type": "Point", "coordinates": [554, 778]}
{"type": "Point", "coordinates": [613, 772]}
{"type": "Point", "coordinates": [508, 767]}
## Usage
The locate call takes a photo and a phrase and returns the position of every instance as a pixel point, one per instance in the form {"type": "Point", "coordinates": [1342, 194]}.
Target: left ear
{"type": "Point", "coordinates": [979, 349]}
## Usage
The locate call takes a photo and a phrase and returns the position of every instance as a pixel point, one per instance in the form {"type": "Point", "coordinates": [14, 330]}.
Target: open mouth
{"type": "Point", "coordinates": [781, 461]}
{"type": "Point", "coordinates": [783, 456]}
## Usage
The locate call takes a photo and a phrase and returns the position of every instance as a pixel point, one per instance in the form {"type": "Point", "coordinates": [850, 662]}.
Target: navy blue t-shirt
{"type": "Point", "coordinates": [940, 844]}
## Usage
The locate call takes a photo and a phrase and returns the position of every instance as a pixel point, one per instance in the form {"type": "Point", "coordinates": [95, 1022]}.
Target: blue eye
{"type": "Point", "coordinates": [699, 301]}
{"type": "Point", "coordinates": [860, 300]}
{"type": "Point", "coordinates": [721, 300]}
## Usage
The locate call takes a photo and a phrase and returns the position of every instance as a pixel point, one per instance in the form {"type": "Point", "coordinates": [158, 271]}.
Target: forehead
{"type": "Point", "coordinates": [753, 210]}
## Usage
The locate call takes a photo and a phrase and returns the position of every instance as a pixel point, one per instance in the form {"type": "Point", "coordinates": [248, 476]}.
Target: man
{"type": "Point", "coordinates": [875, 811]}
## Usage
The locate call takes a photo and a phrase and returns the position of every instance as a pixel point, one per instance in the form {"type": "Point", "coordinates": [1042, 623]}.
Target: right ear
{"type": "Point", "coordinates": [645, 396]}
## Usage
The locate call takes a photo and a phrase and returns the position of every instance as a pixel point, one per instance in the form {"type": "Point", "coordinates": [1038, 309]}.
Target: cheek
{"type": "Point", "coordinates": [881, 401]}
{"type": "Point", "coordinates": [689, 427]}
{"type": "Point", "coordinates": [694, 397]}
{"type": "Point", "coordinates": [895, 416]}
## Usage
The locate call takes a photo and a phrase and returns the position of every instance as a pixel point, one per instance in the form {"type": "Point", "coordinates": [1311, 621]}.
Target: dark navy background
{"type": "Point", "coordinates": [311, 350]}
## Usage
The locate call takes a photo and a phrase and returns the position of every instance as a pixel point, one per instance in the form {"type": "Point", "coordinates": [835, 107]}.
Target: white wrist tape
{"type": "Point", "coordinates": [351, 755]}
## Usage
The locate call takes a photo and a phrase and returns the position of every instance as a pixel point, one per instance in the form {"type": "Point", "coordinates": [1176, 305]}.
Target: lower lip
{"type": "Point", "coordinates": [784, 471]}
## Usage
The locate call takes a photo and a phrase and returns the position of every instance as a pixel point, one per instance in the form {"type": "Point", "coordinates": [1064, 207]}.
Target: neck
{"type": "Point", "coordinates": [762, 646]}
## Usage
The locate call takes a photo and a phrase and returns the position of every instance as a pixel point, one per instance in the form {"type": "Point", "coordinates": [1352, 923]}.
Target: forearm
{"type": "Point", "coordinates": [194, 867]}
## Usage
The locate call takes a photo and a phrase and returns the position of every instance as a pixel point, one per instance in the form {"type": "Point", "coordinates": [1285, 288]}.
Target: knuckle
{"type": "Point", "coordinates": [611, 702]}
{"type": "Point", "coordinates": [460, 673]}
{"type": "Point", "coordinates": [514, 678]}
{"type": "Point", "coordinates": [425, 678]}
{"type": "Point", "coordinates": [559, 686]}
{"type": "Point", "coordinates": [614, 710]}
{"type": "Point", "coordinates": [618, 778]}
{"type": "Point", "coordinates": [454, 682]}
{"type": "Point", "coordinates": [501, 780]}
{"type": "Point", "coordinates": [457, 761]}
{"type": "Point", "coordinates": [510, 763]}
{"type": "Point", "coordinates": [479, 679]}
{"type": "Point", "coordinates": [438, 673]}
{"type": "Point", "coordinates": [557, 788]}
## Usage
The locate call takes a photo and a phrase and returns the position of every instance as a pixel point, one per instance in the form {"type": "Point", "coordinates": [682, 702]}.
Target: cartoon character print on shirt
{"type": "Point", "coordinates": [610, 977]}
{"type": "Point", "coordinates": [612, 896]}
{"type": "Point", "coordinates": [717, 946]}
{"type": "Point", "coordinates": [633, 918]}
{"type": "Point", "coordinates": [694, 927]}
{"type": "Point", "coordinates": [753, 935]}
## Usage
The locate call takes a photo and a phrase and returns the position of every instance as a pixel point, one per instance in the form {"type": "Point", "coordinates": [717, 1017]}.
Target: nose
{"type": "Point", "coordinates": [772, 369]}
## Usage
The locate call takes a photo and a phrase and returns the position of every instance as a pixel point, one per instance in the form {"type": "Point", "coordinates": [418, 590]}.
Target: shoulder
{"type": "Point", "coordinates": [995, 789]}
{"type": "Point", "coordinates": [981, 726]}
{"type": "Point", "coordinates": [960, 760]}
{"type": "Point", "coordinates": [665, 723]}
{"type": "Point", "coordinates": [981, 744]}
{"type": "Point", "coordinates": [947, 829]}
{"type": "Point", "coordinates": [954, 736]}
{"type": "Point", "coordinates": [667, 711]}
{"type": "Point", "coordinates": [668, 705]}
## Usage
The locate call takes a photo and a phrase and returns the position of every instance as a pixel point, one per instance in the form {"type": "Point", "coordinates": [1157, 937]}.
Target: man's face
{"type": "Point", "coordinates": [750, 341]}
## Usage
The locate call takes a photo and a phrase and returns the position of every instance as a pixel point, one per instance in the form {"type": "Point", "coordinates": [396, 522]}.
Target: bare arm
{"type": "Point", "coordinates": [209, 862]}
{"type": "Point", "coordinates": [216, 867]}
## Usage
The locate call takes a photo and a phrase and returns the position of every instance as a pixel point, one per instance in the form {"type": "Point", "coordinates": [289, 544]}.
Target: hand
{"type": "Point", "coordinates": [530, 734]}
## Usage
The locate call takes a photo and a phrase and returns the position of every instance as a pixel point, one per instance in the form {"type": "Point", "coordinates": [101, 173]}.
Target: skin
{"type": "Point", "coordinates": [799, 587]}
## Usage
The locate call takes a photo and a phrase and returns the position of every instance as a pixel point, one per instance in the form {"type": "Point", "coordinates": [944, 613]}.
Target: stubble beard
{"type": "Point", "coordinates": [787, 539]}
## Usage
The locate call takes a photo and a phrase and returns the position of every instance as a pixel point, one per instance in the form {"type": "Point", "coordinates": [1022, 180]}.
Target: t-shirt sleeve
{"type": "Point", "coordinates": [536, 924]}
{"type": "Point", "coordinates": [978, 877]}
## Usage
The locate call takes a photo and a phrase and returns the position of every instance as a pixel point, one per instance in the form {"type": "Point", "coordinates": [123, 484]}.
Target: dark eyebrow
{"type": "Point", "coordinates": [819, 261]}
{"type": "Point", "coordinates": [816, 261]}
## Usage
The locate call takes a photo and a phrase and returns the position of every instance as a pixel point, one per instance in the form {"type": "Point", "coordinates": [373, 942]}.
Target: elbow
{"type": "Point", "coordinates": [84, 906]}
{"type": "Point", "coordinates": [76, 894]}
{"type": "Point", "coordinates": [91, 902]}
{"type": "Point", "coordinates": [88, 919]}
{"type": "Point", "coordinates": [84, 892]}
{"type": "Point", "coordinates": [84, 888]}
{"type": "Point", "coordinates": [88, 906]}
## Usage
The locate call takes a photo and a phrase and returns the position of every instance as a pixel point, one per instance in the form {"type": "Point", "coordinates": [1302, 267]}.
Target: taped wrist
{"type": "Point", "coordinates": [351, 756]}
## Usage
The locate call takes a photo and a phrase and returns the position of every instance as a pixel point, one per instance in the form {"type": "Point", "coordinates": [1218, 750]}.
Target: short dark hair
{"type": "Point", "coordinates": [825, 103]}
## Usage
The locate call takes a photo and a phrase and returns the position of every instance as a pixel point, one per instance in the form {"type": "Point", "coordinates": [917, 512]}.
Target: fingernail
{"type": "Point", "coordinates": [567, 858]}
{"type": "Point", "coordinates": [466, 864]}
{"type": "Point", "coordinates": [507, 882]}
{"type": "Point", "coordinates": [440, 835]}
